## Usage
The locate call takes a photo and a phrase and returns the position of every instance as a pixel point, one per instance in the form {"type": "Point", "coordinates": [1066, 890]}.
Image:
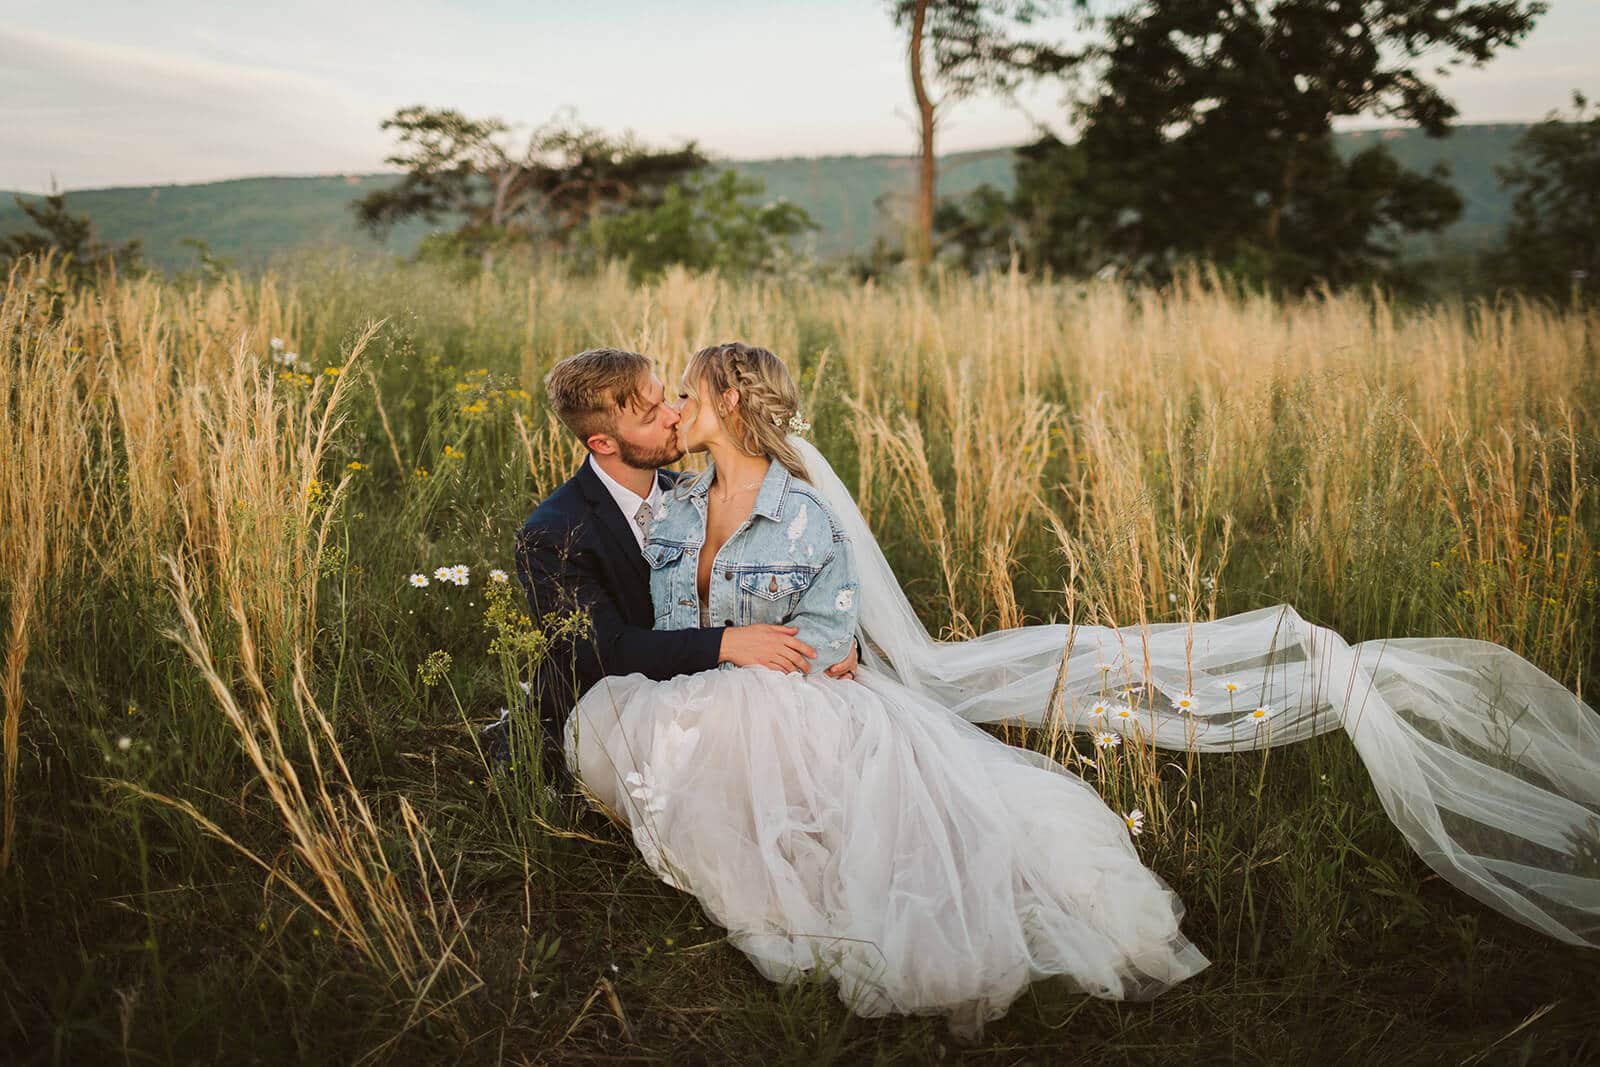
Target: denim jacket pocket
{"type": "Point", "coordinates": [769, 594]}
{"type": "Point", "coordinates": [661, 554]}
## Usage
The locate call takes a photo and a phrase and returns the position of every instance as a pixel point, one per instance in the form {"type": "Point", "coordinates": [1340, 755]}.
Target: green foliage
{"type": "Point", "coordinates": [465, 169]}
{"type": "Point", "coordinates": [1552, 244]}
{"type": "Point", "coordinates": [975, 231]}
{"type": "Point", "coordinates": [984, 45]}
{"type": "Point", "coordinates": [68, 236]}
{"type": "Point", "coordinates": [703, 225]}
{"type": "Point", "coordinates": [1209, 136]}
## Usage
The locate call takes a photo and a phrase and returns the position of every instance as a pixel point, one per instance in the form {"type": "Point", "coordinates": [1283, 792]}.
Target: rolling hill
{"type": "Point", "coordinates": [254, 221]}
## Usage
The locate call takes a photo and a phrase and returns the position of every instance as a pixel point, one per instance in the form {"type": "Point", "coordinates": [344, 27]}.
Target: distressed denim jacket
{"type": "Point", "coordinates": [789, 563]}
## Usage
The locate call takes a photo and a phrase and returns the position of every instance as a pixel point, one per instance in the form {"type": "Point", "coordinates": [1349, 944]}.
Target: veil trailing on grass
{"type": "Point", "coordinates": [1489, 767]}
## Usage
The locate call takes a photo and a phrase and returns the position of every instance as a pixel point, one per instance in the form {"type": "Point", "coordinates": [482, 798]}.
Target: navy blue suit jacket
{"type": "Point", "coordinates": [576, 551]}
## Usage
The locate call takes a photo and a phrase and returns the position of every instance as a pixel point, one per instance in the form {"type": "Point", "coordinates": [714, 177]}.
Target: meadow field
{"type": "Point", "coordinates": [245, 818]}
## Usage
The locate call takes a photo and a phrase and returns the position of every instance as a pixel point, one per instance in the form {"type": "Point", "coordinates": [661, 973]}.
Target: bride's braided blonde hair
{"type": "Point", "coordinates": [768, 399]}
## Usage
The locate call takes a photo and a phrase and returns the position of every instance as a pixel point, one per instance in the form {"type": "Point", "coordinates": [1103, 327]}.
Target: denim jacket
{"type": "Point", "coordinates": [789, 563]}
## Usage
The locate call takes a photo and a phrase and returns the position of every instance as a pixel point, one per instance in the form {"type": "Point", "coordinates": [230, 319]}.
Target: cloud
{"type": "Point", "coordinates": [88, 114]}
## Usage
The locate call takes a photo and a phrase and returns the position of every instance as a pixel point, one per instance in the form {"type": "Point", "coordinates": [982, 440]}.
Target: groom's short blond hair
{"type": "Point", "coordinates": [589, 390]}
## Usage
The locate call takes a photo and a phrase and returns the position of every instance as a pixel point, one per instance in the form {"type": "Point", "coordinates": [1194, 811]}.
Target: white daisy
{"type": "Point", "coordinates": [443, 574]}
{"type": "Point", "coordinates": [1264, 712]}
{"type": "Point", "coordinates": [418, 580]}
{"type": "Point", "coordinates": [1232, 687]}
{"type": "Point", "coordinates": [1122, 711]}
{"type": "Point", "coordinates": [1185, 702]}
{"type": "Point", "coordinates": [459, 573]}
{"type": "Point", "coordinates": [1135, 821]}
{"type": "Point", "coordinates": [1107, 739]}
{"type": "Point", "coordinates": [498, 575]}
{"type": "Point", "coordinates": [1103, 667]}
{"type": "Point", "coordinates": [1099, 708]}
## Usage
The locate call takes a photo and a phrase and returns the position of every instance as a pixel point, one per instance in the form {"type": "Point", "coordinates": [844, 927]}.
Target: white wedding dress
{"type": "Point", "coordinates": [857, 827]}
{"type": "Point", "coordinates": [869, 829]}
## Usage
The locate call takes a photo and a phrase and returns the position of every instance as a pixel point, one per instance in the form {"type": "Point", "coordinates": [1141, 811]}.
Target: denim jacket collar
{"type": "Point", "coordinates": [769, 500]}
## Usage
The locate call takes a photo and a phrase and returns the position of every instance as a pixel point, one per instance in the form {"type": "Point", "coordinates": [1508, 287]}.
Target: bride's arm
{"type": "Point", "coordinates": [827, 612]}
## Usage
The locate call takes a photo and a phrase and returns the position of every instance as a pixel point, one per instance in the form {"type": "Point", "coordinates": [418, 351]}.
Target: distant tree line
{"type": "Point", "coordinates": [1206, 136]}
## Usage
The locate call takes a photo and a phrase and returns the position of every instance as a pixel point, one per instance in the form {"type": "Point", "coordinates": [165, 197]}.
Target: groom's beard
{"type": "Point", "coordinates": [648, 458]}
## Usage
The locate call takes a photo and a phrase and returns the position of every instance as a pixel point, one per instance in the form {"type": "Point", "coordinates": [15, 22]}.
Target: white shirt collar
{"type": "Point", "coordinates": [627, 500]}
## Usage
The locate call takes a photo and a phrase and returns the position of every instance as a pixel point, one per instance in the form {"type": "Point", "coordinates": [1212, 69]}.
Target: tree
{"type": "Point", "coordinates": [973, 45]}
{"type": "Point", "coordinates": [467, 171]}
{"type": "Point", "coordinates": [703, 225]}
{"type": "Point", "coordinates": [977, 230]}
{"type": "Point", "coordinates": [71, 238]}
{"type": "Point", "coordinates": [1552, 244]}
{"type": "Point", "coordinates": [1210, 133]}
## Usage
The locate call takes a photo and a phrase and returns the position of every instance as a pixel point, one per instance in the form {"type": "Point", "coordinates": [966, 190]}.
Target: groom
{"type": "Point", "coordinates": [582, 549]}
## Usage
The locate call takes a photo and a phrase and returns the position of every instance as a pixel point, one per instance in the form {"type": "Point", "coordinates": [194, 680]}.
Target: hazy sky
{"type": "Point", "coordinates": [96, 93]}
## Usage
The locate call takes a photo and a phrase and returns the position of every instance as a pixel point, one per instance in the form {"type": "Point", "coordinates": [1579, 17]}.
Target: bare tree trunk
{"type": "Point", "coordinates": [927, 175]}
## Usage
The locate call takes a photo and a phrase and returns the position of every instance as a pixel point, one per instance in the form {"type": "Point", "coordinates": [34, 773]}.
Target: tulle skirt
{"type": "Point", "coordinates": [859, 829]}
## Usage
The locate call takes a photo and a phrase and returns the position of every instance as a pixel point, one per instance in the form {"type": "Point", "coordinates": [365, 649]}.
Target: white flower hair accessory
{"type": "Point", "coordinates": [798, 423]}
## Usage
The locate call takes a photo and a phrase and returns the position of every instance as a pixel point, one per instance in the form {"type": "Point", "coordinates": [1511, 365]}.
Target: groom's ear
{"type": "Point", "coordinates": [601, 444]}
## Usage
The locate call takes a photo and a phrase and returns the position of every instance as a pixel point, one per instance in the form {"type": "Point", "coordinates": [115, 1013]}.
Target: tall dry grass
{"type": "Point", "coordinates": [144, 434]}
{"type": "Point", "coordinates": [408, 930]}
{"type": "Point", "coordinates": [48, 427]}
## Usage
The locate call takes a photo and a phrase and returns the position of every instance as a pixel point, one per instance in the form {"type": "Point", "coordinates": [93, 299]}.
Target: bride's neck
{"type": "Point", "coordinates": [735, 469]}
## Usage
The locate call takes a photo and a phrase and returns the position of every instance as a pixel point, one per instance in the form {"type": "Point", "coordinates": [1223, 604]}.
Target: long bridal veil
{"type": "Point", "coordinates": [1489, 767]}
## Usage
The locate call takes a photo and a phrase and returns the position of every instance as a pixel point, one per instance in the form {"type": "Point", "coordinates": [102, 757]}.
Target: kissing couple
{"type": "Point", "coordinates": [756, 699]}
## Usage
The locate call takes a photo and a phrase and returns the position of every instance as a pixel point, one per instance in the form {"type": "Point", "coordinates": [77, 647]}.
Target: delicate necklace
{"type": "Point", "coordinates": [730, 494]}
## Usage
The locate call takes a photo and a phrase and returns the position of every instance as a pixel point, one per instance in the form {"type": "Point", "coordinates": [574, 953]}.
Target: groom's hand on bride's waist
{"type": "Point", "coordinates": [766, 645]}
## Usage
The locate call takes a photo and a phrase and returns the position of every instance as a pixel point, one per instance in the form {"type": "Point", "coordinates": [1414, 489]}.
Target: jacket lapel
{"type": "Point", "coordinates": [610, 520]}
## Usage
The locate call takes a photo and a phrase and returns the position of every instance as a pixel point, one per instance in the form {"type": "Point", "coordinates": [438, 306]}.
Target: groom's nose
{"type": "Point", "coordinates": [674, 413]}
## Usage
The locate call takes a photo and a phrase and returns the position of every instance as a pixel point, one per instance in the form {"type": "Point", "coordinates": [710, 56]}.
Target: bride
{"type": "Point", "coordinates": [856, 826]}
{"type": "Point", "coordinates": [867, 829]}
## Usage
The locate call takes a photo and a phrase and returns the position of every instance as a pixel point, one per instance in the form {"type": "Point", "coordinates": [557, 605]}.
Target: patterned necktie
{"type": "Point", "coordinates": [642, 517]}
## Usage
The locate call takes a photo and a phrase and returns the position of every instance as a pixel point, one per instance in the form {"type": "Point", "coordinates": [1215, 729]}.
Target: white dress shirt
{"type": "Point", "coordinates": [628, 501]}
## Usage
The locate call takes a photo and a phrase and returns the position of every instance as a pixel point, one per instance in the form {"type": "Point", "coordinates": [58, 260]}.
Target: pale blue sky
{"type": "Point", "coordinates": [96, 93]}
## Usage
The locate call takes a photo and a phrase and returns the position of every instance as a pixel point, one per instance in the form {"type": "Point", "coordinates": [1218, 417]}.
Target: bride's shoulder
{"type": "Point", "coordinates": [807, 514]}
